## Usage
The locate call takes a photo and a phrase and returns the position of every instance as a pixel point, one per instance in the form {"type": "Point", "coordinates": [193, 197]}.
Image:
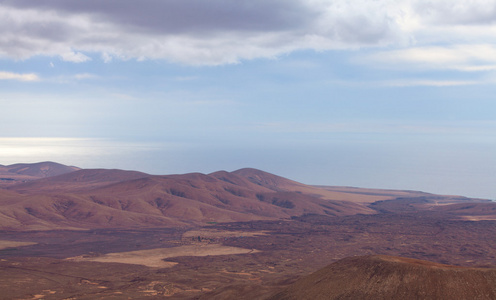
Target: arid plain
{"type": "Point", "coordinates": [69, 233]}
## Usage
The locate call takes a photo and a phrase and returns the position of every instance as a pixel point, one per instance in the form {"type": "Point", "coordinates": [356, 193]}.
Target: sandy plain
{"type": "Point", "coordinates": [155, 257]}
{"type": "Point", "coordinates": [12, 244]}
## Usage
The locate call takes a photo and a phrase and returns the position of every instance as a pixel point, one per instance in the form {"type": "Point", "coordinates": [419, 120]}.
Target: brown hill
{"type": "Point", "coordinates": [83, 179]}
{"type": "Point", "coordinates": [116, 198]}
{"type": "Point", "coordinates": [96, 198]}
{"type": "Point", "coordinates": [205, 198]}
{"type": "Point", "coordinates": [41, 169]}
{"type": "Point", "coordinates": [13, 174]}
{"type": "Point", "coordinates": [45, 212]}
{"type": "Point", "coordinates": [268, 180]}
{"type": "Point", "coordinates": [355, 195]}
{"type": "Point", "coordinates": [387, 277]}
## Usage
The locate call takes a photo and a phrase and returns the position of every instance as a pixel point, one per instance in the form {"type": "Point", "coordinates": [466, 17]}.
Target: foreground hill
{"type": "Point", "coordinates": [389, 277]}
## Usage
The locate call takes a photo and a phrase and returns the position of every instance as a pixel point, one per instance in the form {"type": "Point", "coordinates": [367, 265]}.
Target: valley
{"type": "Point", "coordinates": [257, 248]}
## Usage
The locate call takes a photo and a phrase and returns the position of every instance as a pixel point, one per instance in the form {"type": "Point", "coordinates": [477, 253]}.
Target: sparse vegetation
{"type": "Point", "coordinates": [282, 203]}
{"type": "Point", "coordinates": [177, 193]}
{"type": "Point", "coordinates": [280, 233]}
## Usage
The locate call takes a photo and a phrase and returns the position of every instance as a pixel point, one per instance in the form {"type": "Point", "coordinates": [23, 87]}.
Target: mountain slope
{"type": "Point", "coordinates": [42, 169]}
{"type": "Point", "coordinates": [116, 198]}
{"type": "Point", "coordinates": [387, 277]}
{"type": "Point", "coordinates": [42, 212]}
{"type": "Point", "coordinates": [96, 198]}
{"type": "Point", "coordinates": [13, 174]}
{"type": "Point", "coordinates": [83, 179]}
{"type": "Point", "coordinates": [278, 183]}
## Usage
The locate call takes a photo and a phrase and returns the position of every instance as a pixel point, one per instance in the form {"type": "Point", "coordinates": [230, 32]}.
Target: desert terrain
{"type": "Point", "coordinates": [247, 234]}
{"type": "Point", "coordinates": [389, 277]}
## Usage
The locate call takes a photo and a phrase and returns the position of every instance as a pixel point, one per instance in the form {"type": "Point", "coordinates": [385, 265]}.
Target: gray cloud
{"type": "Point", "coordinates": [186, 16]}
{"type": "Point", "coordinates": [211, 32]}
{"type": "Point", "coordinates": [457, 12]}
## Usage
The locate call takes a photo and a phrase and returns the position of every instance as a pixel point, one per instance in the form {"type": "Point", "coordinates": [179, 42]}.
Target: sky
{"type": "Point", "coordinates": [394, 94]}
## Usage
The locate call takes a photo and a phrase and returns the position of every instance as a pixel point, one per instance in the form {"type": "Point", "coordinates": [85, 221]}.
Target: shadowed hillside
{"type": "Point", "coordinates": [115, 198]}
{"type": "Point", "coordinates": [98, 198]}
{"type": "Point", "coordinates": [388, 277]}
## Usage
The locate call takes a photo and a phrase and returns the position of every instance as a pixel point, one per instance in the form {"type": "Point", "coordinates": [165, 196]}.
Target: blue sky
{"type": "Point", "coordinates": [380, 94]}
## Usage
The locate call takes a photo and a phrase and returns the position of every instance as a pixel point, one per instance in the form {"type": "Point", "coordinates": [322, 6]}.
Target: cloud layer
{"type": "Point", "coordinates": [17, 76]}
{"type": "Point", "coordinates": [212, 32]}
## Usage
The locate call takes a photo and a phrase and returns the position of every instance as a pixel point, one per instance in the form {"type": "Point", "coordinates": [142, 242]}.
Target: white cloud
{"type": "Point", "coordinates": [481, 57]}
{"type": "Point", "coordinates": [83, 76]}
{"type": "Point", "coordinates": [424, 82]}
{"type": "Point", "coordinates": [457, 12]}
{"type": "Point", "coordinates": [192, 32]}
{"type": "Point", "coordinates": [76, 57]}
{"type": "Point", "coordinates": [17, 76]}
{"type": "Point", "coordinates": [213, 32]}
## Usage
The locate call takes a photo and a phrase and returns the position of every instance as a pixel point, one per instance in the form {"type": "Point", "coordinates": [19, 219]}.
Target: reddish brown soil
{"type": "Point", "coordinates": [288, 250]}
{"type": "Point", "coordinates": [388, 277]}
{"type": "Point", "coordinates": [126, 199]}
{"type": "Point", "coordinates": [295, 229]}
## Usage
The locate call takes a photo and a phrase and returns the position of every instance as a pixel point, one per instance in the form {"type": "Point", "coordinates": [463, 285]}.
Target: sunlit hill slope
{"type": "Point", "coordinates": [56, 196]}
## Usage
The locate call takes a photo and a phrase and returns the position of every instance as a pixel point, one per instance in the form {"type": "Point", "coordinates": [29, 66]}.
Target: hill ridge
{"type": "Point", "coordinates": [391, 277]}
{"type": "Point", "coordinates": [101, 198]}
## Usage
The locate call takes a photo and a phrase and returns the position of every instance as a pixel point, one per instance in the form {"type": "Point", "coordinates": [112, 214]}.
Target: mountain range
{"type": "Point", "coordinates": [69, 233]}
{"type": "Point", "coordinates": [49, 195]}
